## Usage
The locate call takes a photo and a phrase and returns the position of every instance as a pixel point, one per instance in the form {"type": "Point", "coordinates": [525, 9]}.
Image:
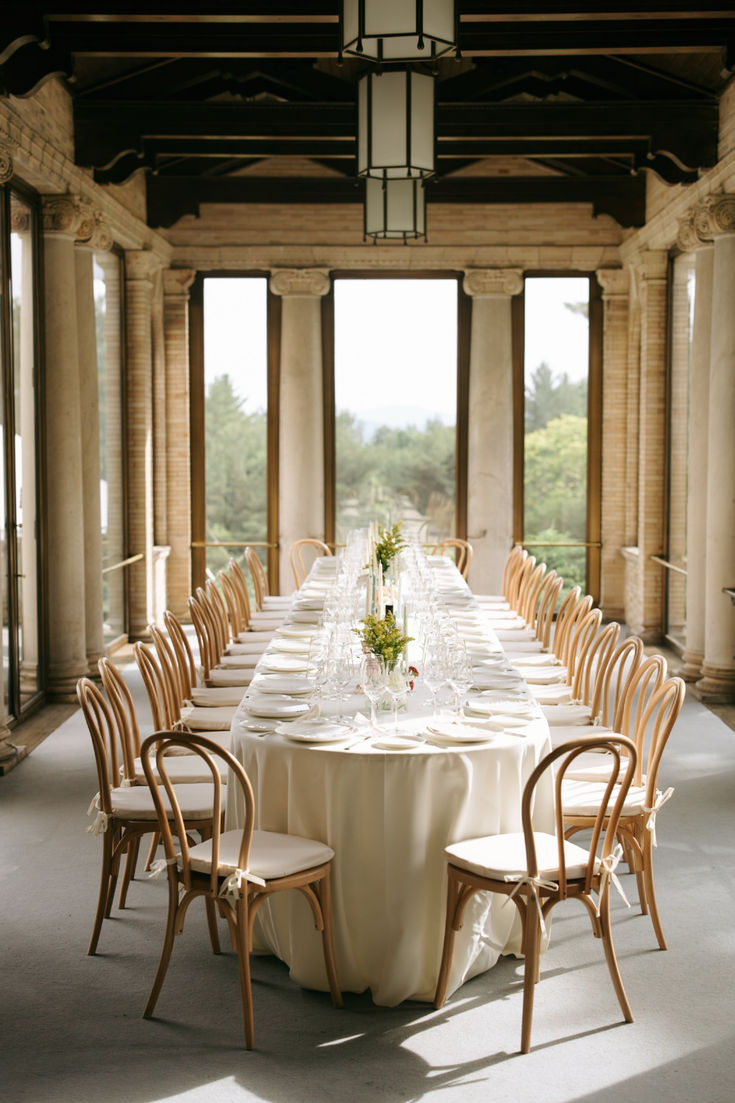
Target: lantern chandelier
{"type": "Point", "coordinates": [396, 107]}
{"type": "Point", "coordinates": [395, 210]}
{"type": "Point", "coordinates": [398, 30]}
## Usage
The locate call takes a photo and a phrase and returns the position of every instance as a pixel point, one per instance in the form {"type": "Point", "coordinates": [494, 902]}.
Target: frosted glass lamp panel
{"type": "Point", "coordinates": [389, 124]}
{"type": "Point", "coordinates": [391, 31]}
{"type": "Point", "coordinates": [422, 123]}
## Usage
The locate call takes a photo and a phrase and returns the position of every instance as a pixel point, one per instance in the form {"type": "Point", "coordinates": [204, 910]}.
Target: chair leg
{"type": "Point", "coordinates": [243, 962]}
{"type": "Point", "coordinates": [107, 840]}
{"type": "Point", "coordinates": [115, 853]}
{"type": "Point", "coordinates": [612, 961]}
{"type": "Point", "coordinates": [212, 924]}
{"type": "Point", "coordinates": [155, 840]}
{"type": "Point", "coordinates": [532, 938]}
{"type": "Point", "coordinates": [453, 893]}
{"type": "Point", "coordinates": [650, 891]}
{"type": "Point", "coordinates": [325, 899]}
{"type": "Point", "coordinates": [131, 860]}
{"type": "Point", "coordinates": [168, 942]}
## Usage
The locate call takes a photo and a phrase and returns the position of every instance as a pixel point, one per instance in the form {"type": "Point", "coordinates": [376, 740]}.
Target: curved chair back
{"type": "Point", "coordinates": [514, 562]}
{"type": "Point", "coordinates": [259, 577]}
{"type": "Point", "coordinates": [182, 651]}
{"type": "Point", "coordinates": [110, 754]}
{"type": "Point", "coordinates": [581, 639]}
{"type": "Point", "coordinates": [235, 611]}
{"type": "Point", "coordinates": [648, 676]}
{"type": "Point", "coordinates": [613, 678]}
{"type": "Point", "coordinates": [548, 597]}
{"type": "Point", "coordinates": [204, 635]}
{"type": "Point", "coordinates": [529, 598]}
{"type": "Point", "coordinates": [624, 757]}
{"type": "Point", "coordinates": [596, 656]}
{"type": "Point", "coordinates": [565, 625]}
{"type": "Point", "coordinates": [169, 668]}
{"type": "Point", "coordinates": [655, 727]}
{"type": "Point", "coordinates": [296, 555]}
{"type": "Point", "coordinates": [519, 582]}
{"type": "Point", "coordinates": [165, 713]}
{"type": "Point", "coordinates": [240, 582]}
{"type": "Point", "coordinates": [463, 552]}
{"type": "Point", "coordinates": [123, 707]}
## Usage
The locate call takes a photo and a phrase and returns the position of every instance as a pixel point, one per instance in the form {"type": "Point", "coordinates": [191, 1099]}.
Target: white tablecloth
{"type": "Point", "coordinates": [388, 816]}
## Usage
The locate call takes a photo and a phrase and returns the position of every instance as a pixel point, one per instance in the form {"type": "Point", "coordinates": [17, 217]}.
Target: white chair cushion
{"type": "Point", "coordinates": [271, 854]}
{"type": "Point", "coordinates": [583, 798]}
{"type": "Point", "coordinates": [542, 675]}
{"type": "Point", "coordinates": [136, 802]}
{"type": "Point", "coordinates": [593, 766]}
{"type": "Point", "coordinates": [182, 769]}
{"type": "Point", "coordinates": [538, 660]}
{"type": "Point", "coordinates": [259, 636]}
{"type": "Point", "coordinates": [563, 733]}
{"type": "Point", "coordinates": [209, 719]}
{"type": "Point", "coordinates": [232, 677]}
{"type": "Point", "coordinates": [566, 714]}
{"type": "Point", "coordinates": [218, 697]}
{"type": "Point", "coordinates": [240, 662]}
{"type": "Point", "coordinates": [256, 648]}
{"type": "Point", "coordinates": [552, 695]}
{"type": "Point", "coordinates": [504, 856]}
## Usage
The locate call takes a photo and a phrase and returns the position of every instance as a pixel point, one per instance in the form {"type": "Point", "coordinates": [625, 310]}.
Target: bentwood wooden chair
{"type": "Point", "coordinates": [461, 550]}
{"type": "Point", "coordinates": [537, 870]}
{"type": "Point", "coordinates": [124, 811]}
{"type": "Point", "coordinates": [196, 693]}
{"type": "Point", "coordinates": [264, 600]}
{"type": "Point", "coordinates": [256, 620]}
{"type": "Point", "coordinates": [305, 546]}
{"type": "Point", "coordinates": [636, 825]}
{"type": "Point", "coordinates": [236, 871]}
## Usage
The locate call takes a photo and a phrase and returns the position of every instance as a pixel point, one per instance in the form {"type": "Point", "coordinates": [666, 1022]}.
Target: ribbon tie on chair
{"type": "Point", "coordinates": [658, 803]}
{"type": "Point", "coordinates": [160, 866]}
{"type": "Point", "coordinates": [535, 883]}
{"type": "Point", "coordinates": [606, 869]}
{"type": "Point", "coordinates": [99, 824]}
{"type": "Point", "coordinates": [231, 885]}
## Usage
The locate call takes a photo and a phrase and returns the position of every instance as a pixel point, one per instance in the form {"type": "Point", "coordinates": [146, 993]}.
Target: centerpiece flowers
{"type": "Point", "coordinates": [386, 672]}
{"type": "Point", "coordinates": [383, 638]}
{"type": "Point", "coordinates": [388, 545]}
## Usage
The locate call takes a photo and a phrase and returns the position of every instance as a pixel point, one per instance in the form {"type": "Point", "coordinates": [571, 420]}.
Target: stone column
{"type": "Point", "coordinates": [693, 236]}
{"type": "Point", "coordinates": [718, 669]}
{"type": "Point", "coordinates": [490, 429]}
{"type": "Point", "coordinates": [301, 426]}
{"type": "Point", "coordinates": [615, 284]}
{"type": "Point", "coordinates": [176, 284]}
{"type": "Point", "coordinates": [140, 272]}
{"type": "Point", "coordinates": [644, 579]}
{"type": "Point", "coordinates": [67, 656]}
{"type": "Point", "coordinates": [92, 235]}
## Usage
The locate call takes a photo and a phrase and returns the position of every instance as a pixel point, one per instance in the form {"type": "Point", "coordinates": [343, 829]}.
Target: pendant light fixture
{"type": "Point", "coordinates": [395, 210]}
{"type": "Point", "coordinates": [398, 30]}
{"type": "Point", "coordinates": [395, 125]}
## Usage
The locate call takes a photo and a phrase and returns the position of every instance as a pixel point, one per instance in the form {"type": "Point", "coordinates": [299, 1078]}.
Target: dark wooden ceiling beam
{"type": "Point", "coordinates": [685, 130]}
{"type": "Point", "coordinates": [171, 197]}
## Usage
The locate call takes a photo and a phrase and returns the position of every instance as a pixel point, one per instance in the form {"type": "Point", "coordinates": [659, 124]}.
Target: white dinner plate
{"type": "Point", "coordinates": [297, 632]}
{"type": "Point", "coordinates": [503, 721]}
{"type": "Point", "coordinates": [316, 730]}
{"type": "Point", "coordinates": [537, 677]}
{"type": "Point", "coordinates": [509, 707]}
{"type": "Point", "coordinates": [271, 705]}
{"type": "Point", "coordinates": [291, 684]}
{"type": "Point", "coordinates": [284, 664]}
{"type": "Point", "coordinates": [292, 647]}
{"type": "Point", "coordinates": [260, 726]}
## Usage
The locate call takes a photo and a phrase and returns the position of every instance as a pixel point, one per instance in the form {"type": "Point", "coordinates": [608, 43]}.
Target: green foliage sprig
{"type": "Point", "coordinates": [383, 638]}
{"type": "Point", "coordinates": [388, 546]}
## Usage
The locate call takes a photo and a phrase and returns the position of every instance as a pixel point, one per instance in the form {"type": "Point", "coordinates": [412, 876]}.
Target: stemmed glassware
{"type": "Point", "coordinates": [460, 674]}
{"type": "Point", "coordinates": [372, 682]}
{"type": "Point", "coordinates": [396, 682]}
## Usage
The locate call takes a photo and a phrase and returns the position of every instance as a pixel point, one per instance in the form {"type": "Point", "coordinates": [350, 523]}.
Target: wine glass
{"type": "Point", "coordinates": [460, 675]}
{"type": "Point", "coordinates": [396, 680]}
{"type": "Point", "coordinates": [372, 682]}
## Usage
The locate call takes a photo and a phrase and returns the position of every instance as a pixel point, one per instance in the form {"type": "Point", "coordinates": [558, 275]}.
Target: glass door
{"type": "Point", "coordinates": [19, 491]}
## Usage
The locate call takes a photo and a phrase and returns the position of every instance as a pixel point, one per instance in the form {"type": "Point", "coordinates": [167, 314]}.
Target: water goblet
{"type": "Point", "coordinates": [372, 683]}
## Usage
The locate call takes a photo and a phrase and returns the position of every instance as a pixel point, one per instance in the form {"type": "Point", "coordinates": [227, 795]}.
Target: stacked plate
{"type": "Point", "coordinates": [317, 730]}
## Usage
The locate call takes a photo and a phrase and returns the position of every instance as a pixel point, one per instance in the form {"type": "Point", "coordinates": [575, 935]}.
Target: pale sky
{"type": "Point", "coordinates": [395, 340]}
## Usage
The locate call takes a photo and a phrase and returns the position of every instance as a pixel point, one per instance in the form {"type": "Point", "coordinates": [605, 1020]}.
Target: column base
{"type": "Point", "coordinates": [62, 683]}
{"type": "Point", "coordinates": [716, 686]}
{"type": "Point", "coordinates": [10, 755]}
{"type": "Point", "coordinates": [691, 668]}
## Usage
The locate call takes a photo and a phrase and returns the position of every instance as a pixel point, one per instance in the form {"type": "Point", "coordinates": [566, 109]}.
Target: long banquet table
{"type": "Point", "coordinates": [388, 814]}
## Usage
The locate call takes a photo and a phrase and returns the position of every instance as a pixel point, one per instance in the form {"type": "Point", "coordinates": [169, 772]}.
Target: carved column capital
{"type": "Point", "coordinates": [63, 214]}
{"type": "Point", "coordinates": [483, 282]}
{"type": "Point", "coordinates": [715, 215]}
{"type": "Point", "coordinates": [141, 264]}
{"type": "Point", "coordinates": [290, 282]}
{"type": "Point", "coordinates": [177, 282]}
{"type": "Point", "coordinates": [6, 165]}
{"type": "Point", "coordinates": [693, 231]}
{"type": "Point", "coordinates": [615, 282]}
{"type": "Point", "coordinates": [94, 233]}
{"type": "Point", "coordinates": [20, 219]}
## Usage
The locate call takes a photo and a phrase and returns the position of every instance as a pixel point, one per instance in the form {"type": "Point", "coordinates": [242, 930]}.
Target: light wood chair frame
{"type": "Point", "coordinates": [122, 834]}
{"type": "Point", "coordinates": [296, 556]}
{"type": "Point", "coordinates": [529, 898]}
{"type": "Point", "coordinates": [637, 832]}
{"type": "Point", "coordinates": [314, 884]}
{"type": "Point", "coordinates": [463, 553]}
